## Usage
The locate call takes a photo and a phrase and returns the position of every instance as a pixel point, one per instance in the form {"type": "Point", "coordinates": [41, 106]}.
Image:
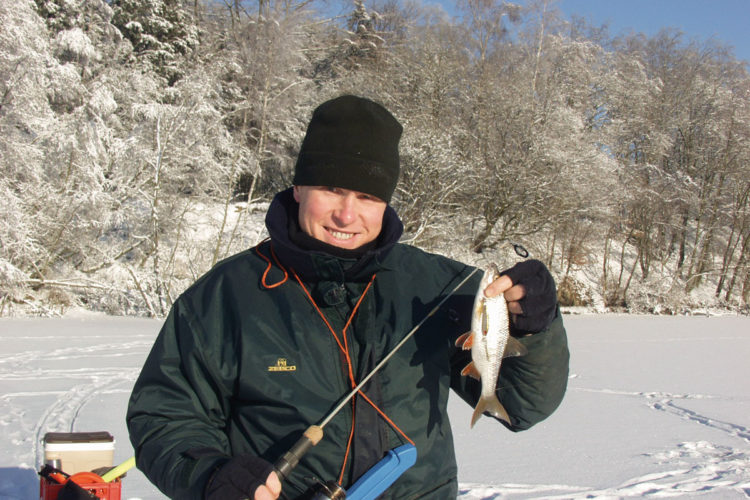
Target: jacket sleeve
{"type": "Point", "coordinates": [177, 410]}
{"type": "Point", "coordinates": [530, 387]}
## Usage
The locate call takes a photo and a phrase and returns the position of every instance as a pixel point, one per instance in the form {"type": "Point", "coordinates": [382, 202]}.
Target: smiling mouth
{"type": "Point", "coordinates": [341, 236]}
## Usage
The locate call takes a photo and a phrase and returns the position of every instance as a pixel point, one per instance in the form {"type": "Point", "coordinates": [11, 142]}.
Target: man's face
{"type": "Point", "coordinates": [340, 217]}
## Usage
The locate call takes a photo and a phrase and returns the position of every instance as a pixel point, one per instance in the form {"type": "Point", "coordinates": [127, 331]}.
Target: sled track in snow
{"type": "Point", "coordinates": [692, 468]}
{"type": "Point", "coordinates": [89, 363]}
{"type": "Point", "coordinates": [696, 468]}
{"type": "Point", "coordinates": [665, 402]}
{"type": "Point", "coordinates": [63, 414]}
{"type": "Point", "coordinates": [735, 430]}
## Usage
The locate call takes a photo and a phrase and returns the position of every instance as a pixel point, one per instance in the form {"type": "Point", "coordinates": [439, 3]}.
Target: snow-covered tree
{"type": "Point", "coordinates": [132, 156]}
{"type": "Point", "coordinates": [25, 121]}
{"type": "Point", "coordinates": [161, 32]}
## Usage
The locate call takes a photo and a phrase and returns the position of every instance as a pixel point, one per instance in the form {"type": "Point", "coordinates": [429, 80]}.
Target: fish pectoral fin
{"type": "Point", "coordinates": [465, 341]}
{"type": "Point", "coordinates": [470, 370]}
{"type": "Point", "coordinates": [514, 348]}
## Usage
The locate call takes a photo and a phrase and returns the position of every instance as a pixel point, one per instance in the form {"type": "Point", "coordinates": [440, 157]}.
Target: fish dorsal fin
{"type": "Point", "coordinates": [514, 348]}
{"type": "Point", "coordinates": [465, 341]}
{"type": "Point", "coordinates": [471, 371]}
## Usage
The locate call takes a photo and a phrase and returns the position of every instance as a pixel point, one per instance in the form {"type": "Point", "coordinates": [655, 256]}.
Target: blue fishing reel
{"type": "Point", "coordinates": [376, 480]}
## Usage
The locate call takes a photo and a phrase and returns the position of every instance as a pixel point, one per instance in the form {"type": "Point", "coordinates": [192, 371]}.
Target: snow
{"type": "Point", "coordinates": [656, 406]}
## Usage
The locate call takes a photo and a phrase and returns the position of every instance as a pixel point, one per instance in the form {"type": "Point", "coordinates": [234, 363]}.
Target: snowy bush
{"type": "Point", "coordinates": [571, 292]}
{"type": "Point", "coordinates": [75, 46]}
{"type": "Point", "coordinates": [65, 92]}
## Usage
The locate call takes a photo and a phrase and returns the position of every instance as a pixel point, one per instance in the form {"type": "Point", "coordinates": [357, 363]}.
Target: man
{"type": "Point", "coordinates": [267, 342]}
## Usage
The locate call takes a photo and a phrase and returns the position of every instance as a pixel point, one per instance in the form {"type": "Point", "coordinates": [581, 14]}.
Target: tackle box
{"type": "Point", "coordinates": [49, 490]}
{"type": "Point", "coordinates": [76, 454]}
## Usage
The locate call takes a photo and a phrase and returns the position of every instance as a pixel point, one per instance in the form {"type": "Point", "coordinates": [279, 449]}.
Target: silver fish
{"type": "Point", "coordinates": [490, 341]}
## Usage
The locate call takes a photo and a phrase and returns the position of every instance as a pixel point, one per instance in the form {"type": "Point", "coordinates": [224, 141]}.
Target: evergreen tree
{"type": "Point", "coordinates": [161, 32]}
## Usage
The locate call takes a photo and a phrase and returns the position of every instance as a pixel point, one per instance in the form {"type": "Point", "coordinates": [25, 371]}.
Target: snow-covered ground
{"type": "Point", "coordinates": [656, 406]}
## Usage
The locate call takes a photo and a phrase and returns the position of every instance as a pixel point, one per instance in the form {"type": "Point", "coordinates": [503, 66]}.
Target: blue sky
{"type": "Point", "coordinates": [727, 21]}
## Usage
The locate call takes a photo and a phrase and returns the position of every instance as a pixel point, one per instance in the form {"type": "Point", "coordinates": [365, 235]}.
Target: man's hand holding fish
{"type": "Point", "coordinates": [530, 291]}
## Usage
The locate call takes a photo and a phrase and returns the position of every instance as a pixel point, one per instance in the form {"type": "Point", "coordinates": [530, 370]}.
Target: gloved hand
{"type": "Point", "coordinates": [244, 477]}
{"type": "Point", "coordinates": [535, 295]}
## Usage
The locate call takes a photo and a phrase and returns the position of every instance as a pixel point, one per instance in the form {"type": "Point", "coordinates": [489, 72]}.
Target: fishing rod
{"type": "Point", "coordinates": [314, 433]}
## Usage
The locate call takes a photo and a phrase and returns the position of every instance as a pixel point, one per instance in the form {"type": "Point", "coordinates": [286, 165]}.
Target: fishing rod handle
{"type": "Point", "coordinates": [291, 458]}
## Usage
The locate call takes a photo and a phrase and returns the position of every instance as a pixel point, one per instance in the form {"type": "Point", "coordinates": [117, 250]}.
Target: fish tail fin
{"type": "Point", "coordinates": [491, 405]}
{"type": "Point", "coordinates": [478, 410]}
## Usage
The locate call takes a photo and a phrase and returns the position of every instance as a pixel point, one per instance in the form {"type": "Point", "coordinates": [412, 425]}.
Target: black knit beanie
{"type": "Point", "coordinates": [351, 143]}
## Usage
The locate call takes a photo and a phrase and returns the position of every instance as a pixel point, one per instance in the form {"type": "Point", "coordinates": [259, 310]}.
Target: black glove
{"type": "Point", "coordinates": [539, 305]}
{"type": "Point", "coordinates": [238, 478]}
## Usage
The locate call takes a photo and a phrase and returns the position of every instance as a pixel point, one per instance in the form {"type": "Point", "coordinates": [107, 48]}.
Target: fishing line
{"type": "Point", "coordinates": [314, 433]}
{"type": "Point", "coordinates": [388, 356]}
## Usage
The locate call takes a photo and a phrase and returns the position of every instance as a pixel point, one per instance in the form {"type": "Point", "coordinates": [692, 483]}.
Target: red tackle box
{"type": "Point", "coordinates": [49, 490]}
{"type": "Point", "coordinates": [74, 455]}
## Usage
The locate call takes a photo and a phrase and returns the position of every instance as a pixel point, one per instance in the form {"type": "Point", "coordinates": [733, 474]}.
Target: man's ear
{"type": "Point", "coordinates": [296, 194]}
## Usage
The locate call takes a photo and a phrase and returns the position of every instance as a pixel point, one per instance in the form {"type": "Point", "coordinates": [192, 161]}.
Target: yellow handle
{"type": "Point", "coordinates": [118, 471]}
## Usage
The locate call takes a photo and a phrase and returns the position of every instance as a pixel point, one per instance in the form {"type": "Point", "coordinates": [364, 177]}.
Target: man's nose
{"type": "Point", "coordinates": [345, 212]}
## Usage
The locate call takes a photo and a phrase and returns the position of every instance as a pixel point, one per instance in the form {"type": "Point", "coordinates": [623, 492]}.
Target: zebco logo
{"type": "Point", "coordinates": [282, 365]}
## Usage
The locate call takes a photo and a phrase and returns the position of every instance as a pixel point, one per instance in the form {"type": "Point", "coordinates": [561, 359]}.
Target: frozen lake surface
{"type": "Point", "coordinates": [656, 406]}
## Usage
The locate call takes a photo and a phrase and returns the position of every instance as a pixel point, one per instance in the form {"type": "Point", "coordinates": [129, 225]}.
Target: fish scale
{"type": "Point", "coordinates": [490, 341]}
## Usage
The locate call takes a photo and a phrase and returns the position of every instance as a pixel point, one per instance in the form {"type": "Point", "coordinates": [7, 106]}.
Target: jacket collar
{"type": "Point", "coordinates": [316, 265]}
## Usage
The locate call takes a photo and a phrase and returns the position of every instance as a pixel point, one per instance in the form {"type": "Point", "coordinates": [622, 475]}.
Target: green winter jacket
{"type": "Point", "coordinates": [245, 363]}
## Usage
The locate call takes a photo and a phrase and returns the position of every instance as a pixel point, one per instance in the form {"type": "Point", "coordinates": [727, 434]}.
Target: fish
{"type": "Point", "coordinates": [490, 342]}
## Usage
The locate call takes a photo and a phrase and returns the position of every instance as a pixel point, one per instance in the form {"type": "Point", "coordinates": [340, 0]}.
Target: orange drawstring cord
{"type": "Point", "coordinates": [344, 347]}
{"type": "Point", "coordinates": [270, 265]}
{"type": "Point", "coordinates": [342, 343]}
